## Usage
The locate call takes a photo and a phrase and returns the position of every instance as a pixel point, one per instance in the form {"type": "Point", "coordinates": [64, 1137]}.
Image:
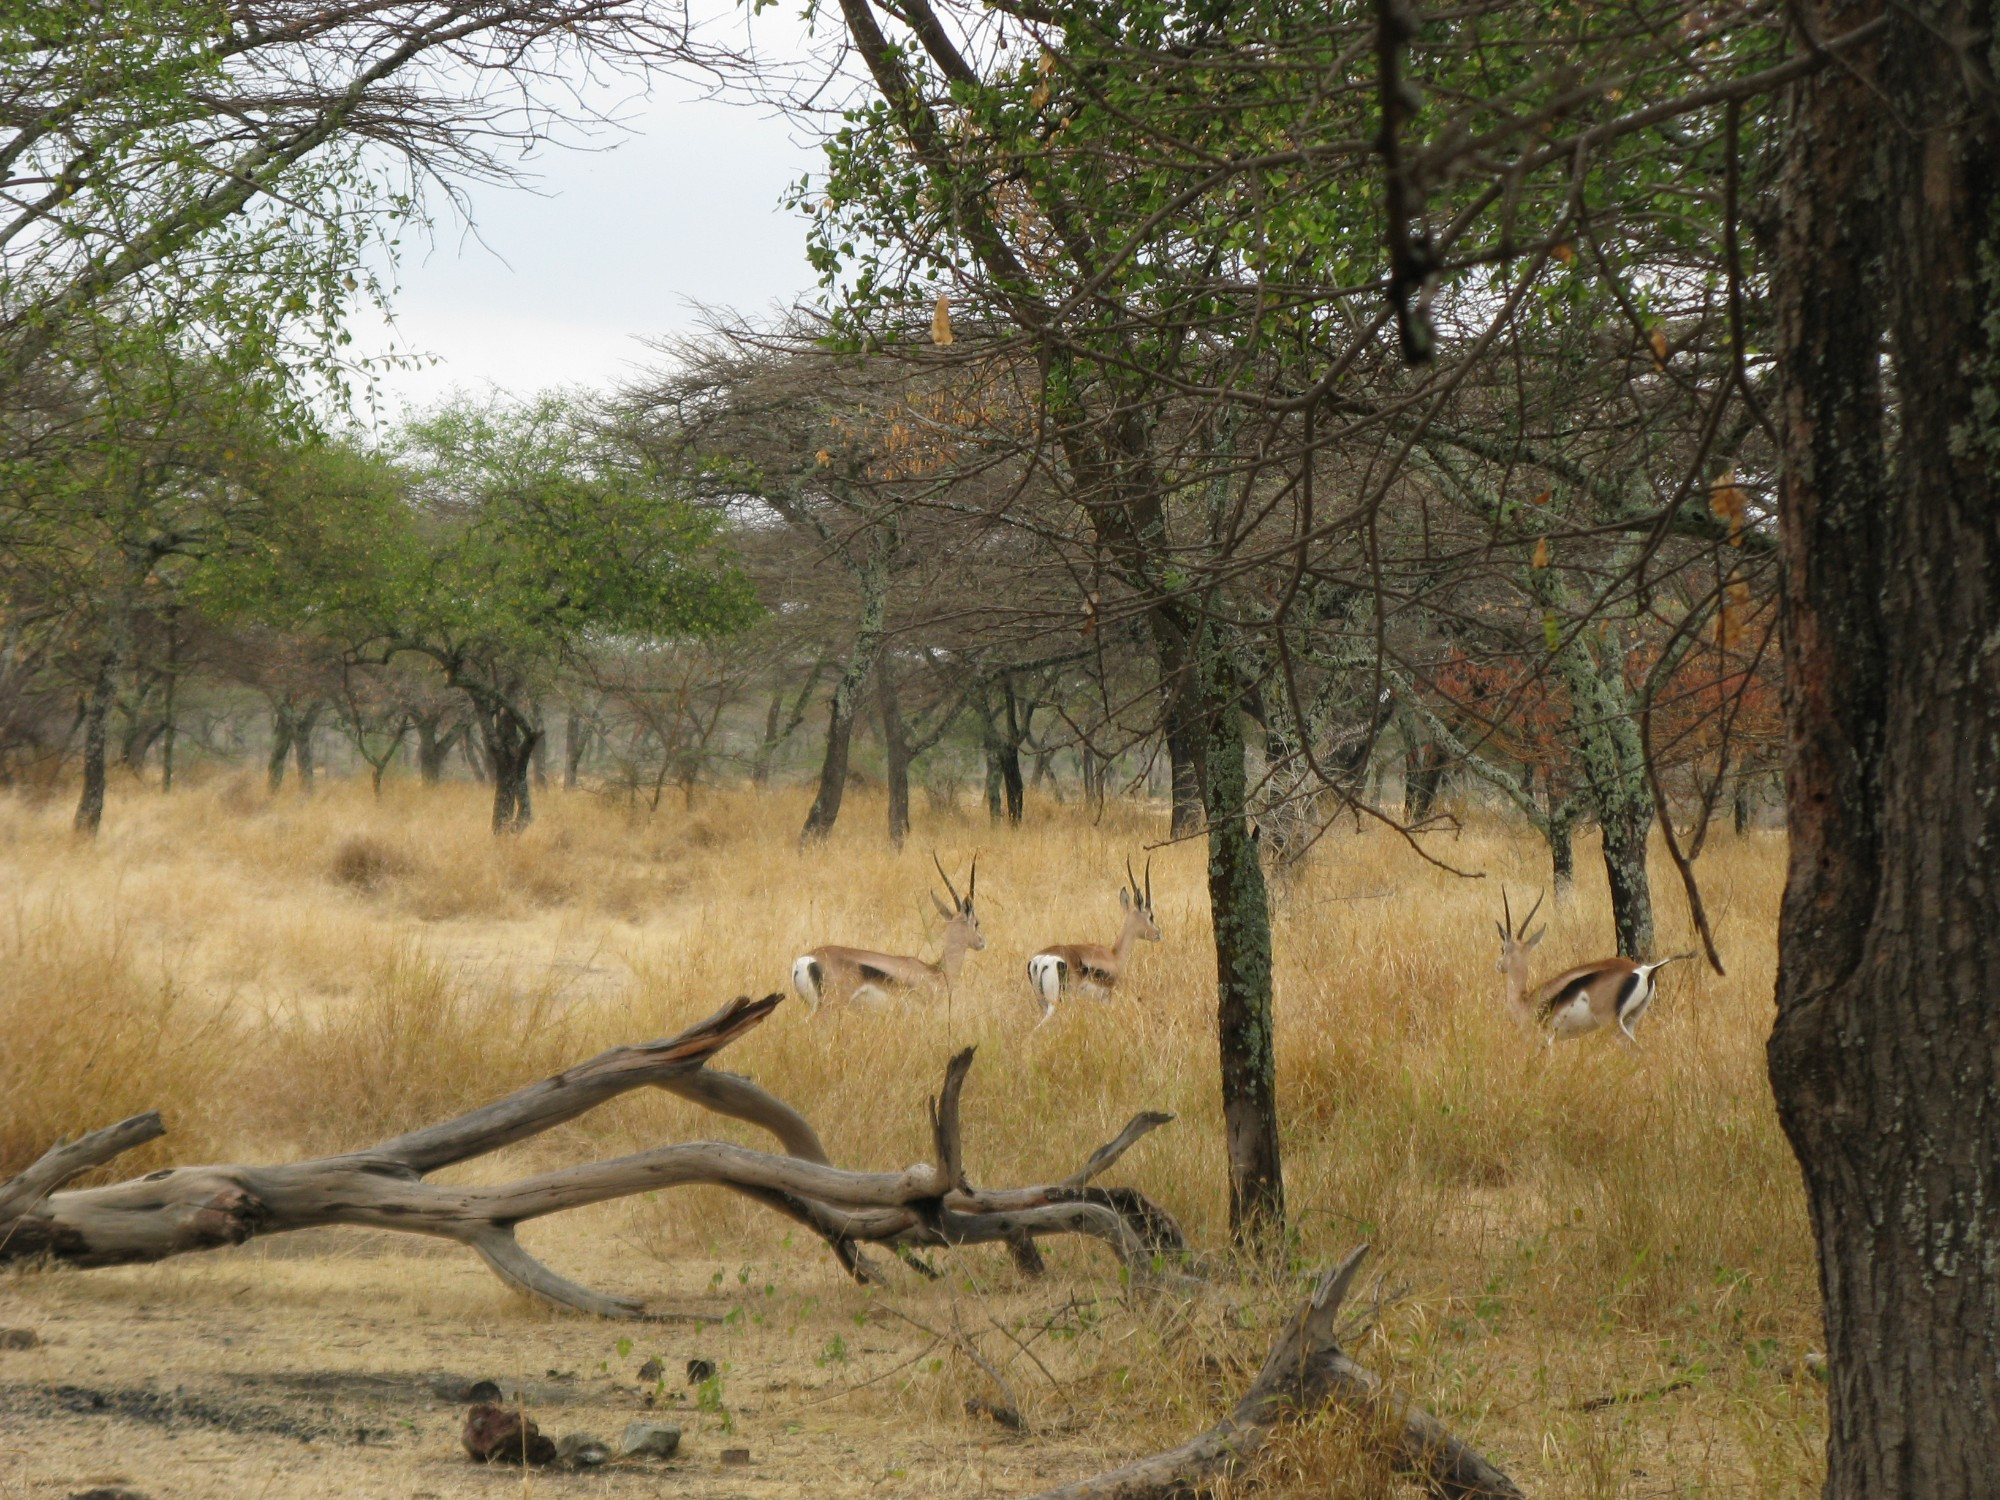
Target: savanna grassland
{"type": "Point", "coordinates": [1593, 1261]}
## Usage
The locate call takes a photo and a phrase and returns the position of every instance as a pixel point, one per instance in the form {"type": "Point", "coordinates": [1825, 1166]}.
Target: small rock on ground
{"type": "Point", "coordinates": [493, 1434]}
{"type": "Point", "coordinates": [652, 1369]}
{"type": "Point", "coordinates": [650, 1440]}
{"type": "Point", "coordinates": [111, 1492]}
{"type": "Point", "coordinates": [579, 1450]}
{"type": "Point", "coordinates": [700, 1370]}
{"type": "Point", "coordinates": [735, 1458]}
{"type": "Point", "coordinates": [19, 1338]}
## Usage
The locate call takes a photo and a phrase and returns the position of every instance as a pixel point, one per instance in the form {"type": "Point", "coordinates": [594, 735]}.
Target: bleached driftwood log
{"type": "Point", "coordinates": [184, 1209]}
{"type": "Point", "coordinates": [1305, 1371]}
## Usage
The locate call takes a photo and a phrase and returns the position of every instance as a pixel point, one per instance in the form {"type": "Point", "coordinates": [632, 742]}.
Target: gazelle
{"type": "Point", "coordinates": [1590, 997]}
{"type": "Point", "coordinates": [1092, 967]}
{"type": "Point", "coordinates": [858, 974]}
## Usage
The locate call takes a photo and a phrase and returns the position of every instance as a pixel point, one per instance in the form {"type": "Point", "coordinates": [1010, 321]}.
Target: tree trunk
{"type": "Point", "coordinates": [434, 749]}
{"type": "Point", "coordinates": [1186, 780]}
{"type": "Point", "coordinates": [1423, 777]}
{"type": "Point", "coordinates": [90, 806]}
{"type": "Point", "coordinates": [846, 702]}
{"type": "Point", "coordinates": [576, 738]}
{"type": "Point", "coordinates": [1009, 751]}
{"type": "Point", "coordinates": [1883, 1058]}
{"type": "Point", "coordinates": [1560, 831]}
{"type": "Point", "coordinates": [510, 752]}
{"type": "Point", "coordinates": [996, 795]}
{"type": "Point", "coordinates": [1095, 771]}
{"type": "Point", "coordinates": [302, 748]}
{"type": "Point", "coordinates": [1741, 806]}
{"type": "Point", "coordinates": [1241, 909]}
{"type": "Point", "coordinates": [895, 752]}
{"type": "Point", "coordinates": [283, 725]}
{"type": "Point", "coordinates": [170, 728]}
{"type": "Point", "coordinates": [833, 766]}
{"type": "Point", "coordinates": [1625, 836]}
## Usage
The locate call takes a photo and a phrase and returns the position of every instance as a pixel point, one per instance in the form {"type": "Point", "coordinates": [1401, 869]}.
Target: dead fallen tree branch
{"type": "Point", "coordinates": [186, 1209]}
{"type": "Point", "coordinates": [1305, 1370]}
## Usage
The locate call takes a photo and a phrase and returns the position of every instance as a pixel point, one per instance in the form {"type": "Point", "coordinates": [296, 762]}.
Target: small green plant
{"type": "Point", "coordinates": [708, 1401]}
{"type": "Point", "coordinates": [835, 1352]}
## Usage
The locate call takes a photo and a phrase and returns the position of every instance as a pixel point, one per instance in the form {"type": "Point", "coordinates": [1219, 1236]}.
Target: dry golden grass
{"type": "Point", "coordinates": [1571, 1225]}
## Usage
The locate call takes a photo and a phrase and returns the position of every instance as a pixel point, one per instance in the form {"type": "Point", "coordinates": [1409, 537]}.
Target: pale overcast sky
{"type": "Point", "coordinates": [559, 287]}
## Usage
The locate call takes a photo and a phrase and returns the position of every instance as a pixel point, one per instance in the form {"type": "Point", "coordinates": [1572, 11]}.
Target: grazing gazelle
{"type": "Point", "coordinates": [857, 974]}
{"type": "Point", "coordinates": [1590, 997]}
{"type": "Point", "coordinates": [1092, 967]}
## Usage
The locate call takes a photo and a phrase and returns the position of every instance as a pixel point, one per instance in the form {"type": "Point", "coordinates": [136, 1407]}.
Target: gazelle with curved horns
{"type": "Point", "coordinates": [858, 975]}
{"type": "Point", "coordinates": [1092, 967]}
{"type": "Point", "coordinates": [1590, 997]}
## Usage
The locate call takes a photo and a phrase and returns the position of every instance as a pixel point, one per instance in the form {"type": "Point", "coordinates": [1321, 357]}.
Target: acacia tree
{"type": "Point", "coordinates": [492, 541]}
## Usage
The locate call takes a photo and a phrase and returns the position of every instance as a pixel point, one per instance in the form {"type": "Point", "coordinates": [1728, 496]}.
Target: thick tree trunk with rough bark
{"type": "Point", "coordinates": [1240, 905]}
{"type": "Point", "coordinates": [96, 714]}
{"type": "Point", "coordinates": [1626, 832]}
{"type": "Point", "coordinates": [1884, 1057]}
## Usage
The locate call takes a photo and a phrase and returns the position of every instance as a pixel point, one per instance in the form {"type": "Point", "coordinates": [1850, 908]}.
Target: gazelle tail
{"type": "Point", "coordinates": [808, 979]}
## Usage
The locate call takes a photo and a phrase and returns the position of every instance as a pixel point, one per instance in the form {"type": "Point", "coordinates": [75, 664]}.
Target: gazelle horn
{"type": "Point", "coordinates": [1531, 915]}
{"type": "Point", "coordinates": [1131, 879]}
{"type": "Point", "coordinates": [972, 881]}
{"type": "Point", "coordinates": [1507, 910]}
{"type": "Point", "coordinates": [1149, 882]}
{"type": "Point", "coordinates": [945, 878]}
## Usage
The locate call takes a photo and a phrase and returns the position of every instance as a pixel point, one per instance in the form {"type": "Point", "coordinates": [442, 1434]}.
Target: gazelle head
{"type": "Point", "coordinates": [1138, 903]}
{"type": "Point", "coordinates": [959, 915]}
{"type": "Point", "coordinates": [1516, 944]}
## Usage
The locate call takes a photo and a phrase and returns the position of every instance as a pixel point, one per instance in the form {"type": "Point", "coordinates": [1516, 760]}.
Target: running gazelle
{"type": "Point", "coordinates": [1590, 997]}
{"type": "Point", "coordinates": [857, 975]}
{"type": "Point", "coordinates": [1092, 967]}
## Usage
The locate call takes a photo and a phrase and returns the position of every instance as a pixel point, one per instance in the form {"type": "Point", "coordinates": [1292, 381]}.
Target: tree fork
{"type": "Point", "coordinates": [186, 1209]}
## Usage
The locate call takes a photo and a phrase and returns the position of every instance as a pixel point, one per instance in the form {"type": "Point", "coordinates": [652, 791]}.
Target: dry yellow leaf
{"type": "Point", "coordinates": [1565, 254]}
{"type": "Point", "coordinates": [1658, 339]}
{"type": "Point", "coordinates": [825, 458]}
{"type": "Point", "coordinates": [1542, 498]}
{"type": "Point", "coordinates": [1541, 558]}
{"type": "Point", "coordinates": [1729, 502]}
{"type": "Point", "coordinates": [1730, 614]}
{"type": "Point", "coordinates": [941, 320]}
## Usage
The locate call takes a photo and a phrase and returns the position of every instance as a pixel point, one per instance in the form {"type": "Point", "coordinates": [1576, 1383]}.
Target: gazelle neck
{"type": "Point", "coordinates": [957, 942]}
{"type": "Point", "coordinates": [1517, 981]}
{"type": "Point", "coordinates": [1127, 936]}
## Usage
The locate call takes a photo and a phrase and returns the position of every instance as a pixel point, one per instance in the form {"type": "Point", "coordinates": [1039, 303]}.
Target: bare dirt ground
{"type": "Point", "coordinates": [338, 1362]}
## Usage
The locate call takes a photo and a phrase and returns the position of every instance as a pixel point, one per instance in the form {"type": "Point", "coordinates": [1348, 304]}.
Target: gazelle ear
{"type": "Point", "coordinates": [944, 911]}
{"type": "Point", "coordinates": [1540, 933]}
{"type": "Point", "coordinates": [1124, 899]}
